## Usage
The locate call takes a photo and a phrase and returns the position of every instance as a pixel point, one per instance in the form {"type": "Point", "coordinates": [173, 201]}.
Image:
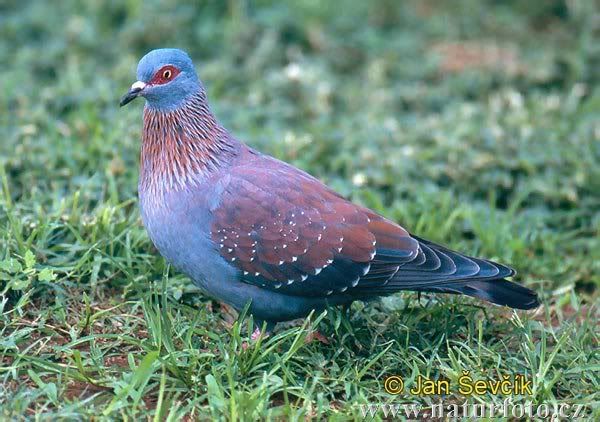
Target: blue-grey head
{"type": "Point", "coordinates": [165, 78]}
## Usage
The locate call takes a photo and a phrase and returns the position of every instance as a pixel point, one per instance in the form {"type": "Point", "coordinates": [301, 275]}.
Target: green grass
{"type": "Point", "coordinates": [474, 124]}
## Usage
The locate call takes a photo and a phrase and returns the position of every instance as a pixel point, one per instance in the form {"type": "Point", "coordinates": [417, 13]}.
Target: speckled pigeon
{"type": "Point", "coordinates": [248, 228]}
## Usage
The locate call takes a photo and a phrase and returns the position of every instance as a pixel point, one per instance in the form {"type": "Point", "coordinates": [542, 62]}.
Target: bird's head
{"type": "Point", "coordinates": [165, 78]}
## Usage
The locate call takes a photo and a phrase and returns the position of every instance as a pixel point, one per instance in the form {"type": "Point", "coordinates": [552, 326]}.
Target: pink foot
{"type": "Point", "coordinates": [257, 333]}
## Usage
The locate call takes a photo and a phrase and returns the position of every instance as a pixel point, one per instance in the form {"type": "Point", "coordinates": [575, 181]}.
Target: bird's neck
{"type": "Point", "coordinates": [183, 147]}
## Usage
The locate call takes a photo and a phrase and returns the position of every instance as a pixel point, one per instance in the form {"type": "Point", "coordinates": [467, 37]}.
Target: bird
{"type": "Point", "coordinates": [253, 231]}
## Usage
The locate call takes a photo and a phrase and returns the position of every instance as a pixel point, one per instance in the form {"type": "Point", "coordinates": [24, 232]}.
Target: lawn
{"type": "Point", "coordinates": [472, 123]}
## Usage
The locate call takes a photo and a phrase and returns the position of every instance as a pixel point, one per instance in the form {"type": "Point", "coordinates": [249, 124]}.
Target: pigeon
{"type": "Point", "coordinates": [251, 230]}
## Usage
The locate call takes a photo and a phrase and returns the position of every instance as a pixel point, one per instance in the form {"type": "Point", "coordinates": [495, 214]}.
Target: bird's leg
{"type": "Point", "coordinates": [258, 329]}
{"type": "Point", "coordinates": [256, 334]}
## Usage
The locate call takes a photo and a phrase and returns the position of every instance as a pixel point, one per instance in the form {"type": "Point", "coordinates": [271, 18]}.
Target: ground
{"type": "Point", "coordinates": [474, 124]}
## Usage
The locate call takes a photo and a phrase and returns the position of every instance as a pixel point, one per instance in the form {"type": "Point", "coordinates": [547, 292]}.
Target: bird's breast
{"type": "Point", "coordinates": [178, 223]}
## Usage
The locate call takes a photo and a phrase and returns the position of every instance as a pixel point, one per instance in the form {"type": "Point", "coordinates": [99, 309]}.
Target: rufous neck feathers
{"type": "Point", "coordinates": [183, 146]}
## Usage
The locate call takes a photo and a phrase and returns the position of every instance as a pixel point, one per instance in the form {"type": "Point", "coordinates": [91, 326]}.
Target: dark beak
{"type": "Point", "coordinates": [131, 95]}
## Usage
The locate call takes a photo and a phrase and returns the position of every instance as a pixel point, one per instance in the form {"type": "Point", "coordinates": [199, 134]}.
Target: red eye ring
{"type": "Point", "coordinates": [165, 74]}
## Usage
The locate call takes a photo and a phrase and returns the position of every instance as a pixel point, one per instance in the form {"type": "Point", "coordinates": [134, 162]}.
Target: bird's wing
{"type": "Point", "coordinates": [284, 230]}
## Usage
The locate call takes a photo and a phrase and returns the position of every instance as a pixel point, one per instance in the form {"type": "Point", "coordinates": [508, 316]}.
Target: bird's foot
{"type": "Point", "coordinates": [258, 333]}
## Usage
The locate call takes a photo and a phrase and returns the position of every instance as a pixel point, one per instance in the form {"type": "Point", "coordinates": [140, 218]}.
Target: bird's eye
{"type": "Point", "coordinates": [164, 75]}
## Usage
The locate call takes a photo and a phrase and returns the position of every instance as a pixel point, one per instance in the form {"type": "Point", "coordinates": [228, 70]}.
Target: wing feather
{"type": "Point", "coordinates": [299, 237]}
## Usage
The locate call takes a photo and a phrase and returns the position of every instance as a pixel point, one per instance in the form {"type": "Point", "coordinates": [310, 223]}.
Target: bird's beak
{"type": "Point", "coordinates": [133, 93]}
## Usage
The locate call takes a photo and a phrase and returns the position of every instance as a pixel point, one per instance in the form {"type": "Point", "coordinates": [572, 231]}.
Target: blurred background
{"type": "Point", "coordinates": [472, 123]}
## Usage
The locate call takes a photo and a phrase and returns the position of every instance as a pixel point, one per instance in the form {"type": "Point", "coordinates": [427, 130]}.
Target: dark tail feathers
{"type": "Point", "coordinates": [498, 291]}
{"type": "Point", "coordinates": [439, 269]}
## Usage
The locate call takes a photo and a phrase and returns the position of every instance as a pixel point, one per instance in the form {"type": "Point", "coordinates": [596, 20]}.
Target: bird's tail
{"type": "Point", "coordinates": [498, 291]}
{"type": "Point", "coordinates": [440, 270]}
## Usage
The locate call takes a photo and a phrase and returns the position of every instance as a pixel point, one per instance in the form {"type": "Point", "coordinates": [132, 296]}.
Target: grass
{"type": "Point", "coordinates": [474, 124]}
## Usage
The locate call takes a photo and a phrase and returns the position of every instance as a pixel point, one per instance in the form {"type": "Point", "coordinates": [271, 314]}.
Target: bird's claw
{"type": "Point", "coordinates": [257, 334]}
